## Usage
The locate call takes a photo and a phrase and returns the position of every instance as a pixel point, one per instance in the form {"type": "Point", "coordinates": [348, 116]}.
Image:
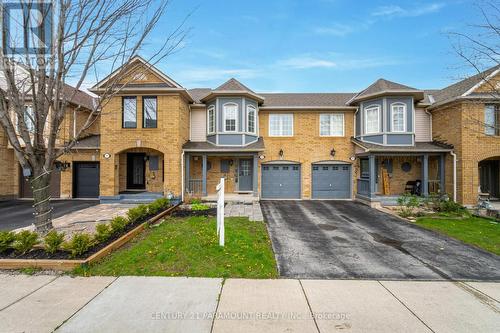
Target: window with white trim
{"type": "Point", "coordinates": [281, 124]}
{"type": "Point", "coordinates": [331, 124]}
{"type": "Point", "coordinates": [230, 111]}
{"type": "Point", "coordinates": [251, 112]}
{"type": "Point", "coordinates": [398, 117]}
{"type": "Point", "coordinates": [492, 120]}
{"type": "Point", "coordinates": [211, 119]}
{"type": "Point", "coordinates": [29, 119]}
{"type": "Point", "coordinates": [372, 119]}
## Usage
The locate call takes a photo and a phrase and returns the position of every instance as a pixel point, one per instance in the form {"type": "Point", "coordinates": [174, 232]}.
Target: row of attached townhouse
{"type": "Point", "coordinates": [157, 137]}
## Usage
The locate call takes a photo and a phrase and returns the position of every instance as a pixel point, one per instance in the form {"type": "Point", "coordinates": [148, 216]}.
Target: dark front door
{"type": "Point", "coordinates": [489, 177]}
{"type": "Point", "coordinates": [136, 171]}
{"type": "Point", "coordinates": [245, 178]}
{"type": "Point", "coordinates": [86, 179]}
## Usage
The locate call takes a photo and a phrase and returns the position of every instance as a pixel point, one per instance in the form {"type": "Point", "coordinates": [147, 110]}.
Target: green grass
{"type": "Point", "coordinates": [477, 231]}
{"type": "Point", "coordinates": [189, 247]}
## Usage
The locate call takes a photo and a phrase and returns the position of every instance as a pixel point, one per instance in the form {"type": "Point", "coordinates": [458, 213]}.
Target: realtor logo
{"type": "Point", "coordinates": [27, 27]}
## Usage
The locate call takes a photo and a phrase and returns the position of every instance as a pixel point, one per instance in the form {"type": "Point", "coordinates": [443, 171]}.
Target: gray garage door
{"type": "Point", "coordinates": [86, 180]}
{"type": "Point", "coordinates": [281, 181]}
{"type": "Point", "coordinates": [331, 181]}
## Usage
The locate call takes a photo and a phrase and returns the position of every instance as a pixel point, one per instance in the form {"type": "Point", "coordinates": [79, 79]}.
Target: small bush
{"type": "Point", "coordinates": [408, 203]}
{"type": "Point", "coordinates": [195, 201]}
{"type": "Point", "coordinates": [450, 206]}
{"type": "Point", "coordinates": [138, 213]}
{"type": "Point", "coordinates": [6, 240]}
{"type": "Point", "coordinates": [158, 206]}
{"type": "Point", "coordinates": [79, 244]}
{"type": "Point", "coordinates": [102, 232]}
{"type": "Point", "coordinates": [25, 241]}
{"type": "Point", "coordinates": [199, 207]}
{"type": "Point", "coordinates": [118, 224]}
{"type": "Point", "coordinates": [53, 241]}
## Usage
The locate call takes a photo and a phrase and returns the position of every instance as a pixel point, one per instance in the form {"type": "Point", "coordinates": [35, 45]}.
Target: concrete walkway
{"type": "Point", "coordinates": [250, 210]}
{"type": "Point", "coordinates": [162, 304]}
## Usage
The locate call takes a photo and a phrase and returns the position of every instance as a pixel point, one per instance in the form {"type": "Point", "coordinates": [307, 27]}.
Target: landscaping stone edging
{"type": "Point", "coordinates": [70, 264]}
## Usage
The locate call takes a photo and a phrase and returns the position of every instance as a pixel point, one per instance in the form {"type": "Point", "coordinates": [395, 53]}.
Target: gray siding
{"type": "Point", "coordinates": [230, 139]}
{"type": "Point", "coordinates": [358, 124]}
{"type": "Point", "coordinates": [250, 138]}
{"type": "Point", "coordinates": [374, 138]}
{"type": "Point", "coordinates": [408, 101]}
{"type": "Point", "coordinates": [212, 139]}
{"type": "Point", "coordinates": [399, 139]}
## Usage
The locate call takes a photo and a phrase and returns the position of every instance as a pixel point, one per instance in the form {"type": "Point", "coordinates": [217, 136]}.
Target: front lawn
{"type": "Point", "coordinates": [477, 231]}
{"type": "Point", "coordinates": [189, 247]}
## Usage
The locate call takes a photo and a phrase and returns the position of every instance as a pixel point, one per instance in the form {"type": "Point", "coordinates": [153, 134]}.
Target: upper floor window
{"type": "Point", "coordinates": [149, 112]}
{"type": "Point", "coordinates": [211, 119]}
{"type": "Point", "coordinates": [372, 119]}
{"type": "Point", "coordinates": [492, 120]}
{"type": "Point", "coordinates": [129, 112]}
{"type": "Point", "coordinates": [281, 125]}
{"type": "Point", "coordinates": [331, 124]}
{"type": "Point", "coordinates": [29, 119]}
{"type": "Point", "coordinates": [230, 111]}
{"type": "Point", "coordinates": [251, 112]}
{"type": "Point", "coordinates": [398, 117]}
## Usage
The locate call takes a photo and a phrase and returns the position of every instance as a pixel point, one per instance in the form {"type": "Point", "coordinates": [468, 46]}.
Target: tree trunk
{"type": "Point", "coordinates": [40, 183]}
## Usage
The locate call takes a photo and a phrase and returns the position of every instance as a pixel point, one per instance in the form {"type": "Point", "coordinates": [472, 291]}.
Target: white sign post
{"type": "Point", "coordinates": [220, 211]}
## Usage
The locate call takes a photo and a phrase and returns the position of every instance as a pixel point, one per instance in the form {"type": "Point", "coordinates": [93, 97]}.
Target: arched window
{"type": "Point", "coordinates": [230, 111]}
{"type": "Point", "coordinates": [398, 117]}
{"type": "Point", "coordinates": [251, 116]}
{"type": "Point", "coordinates": [211, 120]}
{"type": "Point", "coordinates": [372, 119]}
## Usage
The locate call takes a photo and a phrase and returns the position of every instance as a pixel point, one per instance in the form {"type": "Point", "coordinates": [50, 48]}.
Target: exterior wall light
{"type": "Point", "coordinates": [332, 152]}
{"type": "Point", "coordinates": [281, 153]}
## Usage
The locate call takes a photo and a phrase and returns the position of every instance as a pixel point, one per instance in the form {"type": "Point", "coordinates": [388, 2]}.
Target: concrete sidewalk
{"type": "Point", "coordinates": [162, 304]}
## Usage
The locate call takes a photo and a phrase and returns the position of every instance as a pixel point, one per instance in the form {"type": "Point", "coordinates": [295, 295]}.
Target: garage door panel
{"type": "Point", "coordinates": [280, 181]}
{"type": "Point", "coordinates": [331, 181]}
{"type": "Point", "coordinates": [86, 180]}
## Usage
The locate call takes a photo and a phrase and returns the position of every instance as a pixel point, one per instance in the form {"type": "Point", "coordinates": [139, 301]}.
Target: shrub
{"type": "Point", "coordinates": [102, 232]}
{"type": "Point", "coordinates": [53, 241]}
{"type": "Point", "coordinates": [118, 224]}
{"type": "Point", "coordinates": [6, 240]}
{"type": "Point", "coordinates": [25, 241]}
{"type": "Point", "coordinates": [138, 213]}
{"type": "Point", "coordinates": [199, 207]}
{"type": "Point", "coordinates": [79, 244]}
{"type": "Point", "coordinates": [195, 201]}
{"type": "Point", "coordinates": [408, 203]}
{"type": "Point", "coordinates": [158, 206]}
{"type": "Point", "coordinates": [450, 206]}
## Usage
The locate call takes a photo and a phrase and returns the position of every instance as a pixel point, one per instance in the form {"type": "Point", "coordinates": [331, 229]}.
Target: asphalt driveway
{"type": "Point", "coordinates": [344, 239]}
{"type": "Point", "coordinates": [19, 213]}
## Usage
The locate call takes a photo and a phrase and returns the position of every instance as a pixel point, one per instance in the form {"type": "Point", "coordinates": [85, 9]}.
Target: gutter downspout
{"type": "Point", "coordinates": [182, 176]}
{"type": "Point", "coordinates": [454, 175]}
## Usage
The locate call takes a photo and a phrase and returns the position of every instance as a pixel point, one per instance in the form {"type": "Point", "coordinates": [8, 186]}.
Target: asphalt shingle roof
{"type": "Point", "coordinates": [418, 147]}
{"type": "Point", "coordinates": [207, 146]}
{"type": "Point", "coordinates": [233, 85]}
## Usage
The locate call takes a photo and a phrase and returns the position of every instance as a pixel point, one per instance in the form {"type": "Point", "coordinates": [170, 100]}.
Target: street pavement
{"type": "Point", "coordinates": [46, 303]}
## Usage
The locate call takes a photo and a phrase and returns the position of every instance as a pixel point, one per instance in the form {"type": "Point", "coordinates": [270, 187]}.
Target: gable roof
{"type": "Point", "coordinates": [232, 87]}
{"type": "Point", "coordinates": [463, 88]}
{"type": "Point", "coordinates": [168, 82]}
{"type": "Point", "coordinates": [383, 86]}
{"type": "Point", "coordinates": [79, 97]}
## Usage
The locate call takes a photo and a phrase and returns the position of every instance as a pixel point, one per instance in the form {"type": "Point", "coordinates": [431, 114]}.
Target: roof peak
{"type": "Point", "coordinates": [233, 85]}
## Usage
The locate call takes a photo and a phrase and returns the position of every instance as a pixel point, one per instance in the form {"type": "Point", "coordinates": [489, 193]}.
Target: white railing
{"type": "Point", "coordinates": [220, 211]}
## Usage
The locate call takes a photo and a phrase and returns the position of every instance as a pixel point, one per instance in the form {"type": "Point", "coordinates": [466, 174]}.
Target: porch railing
{"type": "Point", "coordinates": [195, 187]}
{"type": "Point", "coordinates": [363, 186]}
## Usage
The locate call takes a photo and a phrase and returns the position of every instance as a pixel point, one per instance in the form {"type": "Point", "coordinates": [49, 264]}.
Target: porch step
{"type": "Point", "coordinates": [133, 198]}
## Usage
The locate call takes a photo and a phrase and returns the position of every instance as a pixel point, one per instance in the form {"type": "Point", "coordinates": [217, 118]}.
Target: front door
{"type": "Point", "coordinates": [136, 171]}
{"type": "Point", "coordinates": [245, 178]}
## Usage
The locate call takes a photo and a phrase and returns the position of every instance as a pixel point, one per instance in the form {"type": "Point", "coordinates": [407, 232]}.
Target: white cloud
{"type": "Point", "coordinates": [336, 29]}
{"type": "Point", "coordinates": [335, 61]}
{"type": "Point", "coordinates": [203, 75]}
{"type": "Point", "coordinates": [398, 11]}
{"type": "Point", "coordinates": [302, 62]}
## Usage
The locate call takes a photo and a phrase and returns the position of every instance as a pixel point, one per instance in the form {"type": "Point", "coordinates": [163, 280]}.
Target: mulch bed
{"type": "Point", "coordinates": [38, 253]}
{"type": "Point", "coordinates": [188, 212]}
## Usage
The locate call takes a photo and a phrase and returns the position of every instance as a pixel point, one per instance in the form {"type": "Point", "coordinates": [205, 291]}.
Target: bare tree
{"type": "Point", "coordinates": [479, 49]}
{"type": "Point", "coordinates": [90, 39]}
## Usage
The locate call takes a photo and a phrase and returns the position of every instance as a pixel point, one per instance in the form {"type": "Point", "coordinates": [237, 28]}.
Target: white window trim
{"type": "Point", "coordinates": [281, 127]}
{"type": "Point", "coordinates": [211, 108]}
{"type": "Point", "coordinates": [369, 108]}
{"type": "Point", "coordinates": [393, 105]}
{"type": "Point", "coordinates": [330, 116]}
{"type": "Point", "coordinates": [250, 109]}
{"type": "Point", "coordinates": [224, 117]}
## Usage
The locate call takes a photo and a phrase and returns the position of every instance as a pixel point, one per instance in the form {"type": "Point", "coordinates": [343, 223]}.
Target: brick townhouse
{"type": "Point", "coordinates": [156, 137]}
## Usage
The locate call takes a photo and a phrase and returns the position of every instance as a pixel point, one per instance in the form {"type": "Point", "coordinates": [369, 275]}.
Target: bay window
{"type": "Point", "coordinates": [230, 111]}
{"type": "Point", "coordinates": [372, 119]}
{"type": "Point", "coordinates": [398, 117]}
{"type": "Point", "coordinates": [251, 115]}
{"type": "Point", "coordinates": [211, 119]}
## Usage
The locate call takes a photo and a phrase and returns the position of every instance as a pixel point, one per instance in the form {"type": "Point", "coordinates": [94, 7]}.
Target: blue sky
{"type": "Point", "coordinates": [316, 45]}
